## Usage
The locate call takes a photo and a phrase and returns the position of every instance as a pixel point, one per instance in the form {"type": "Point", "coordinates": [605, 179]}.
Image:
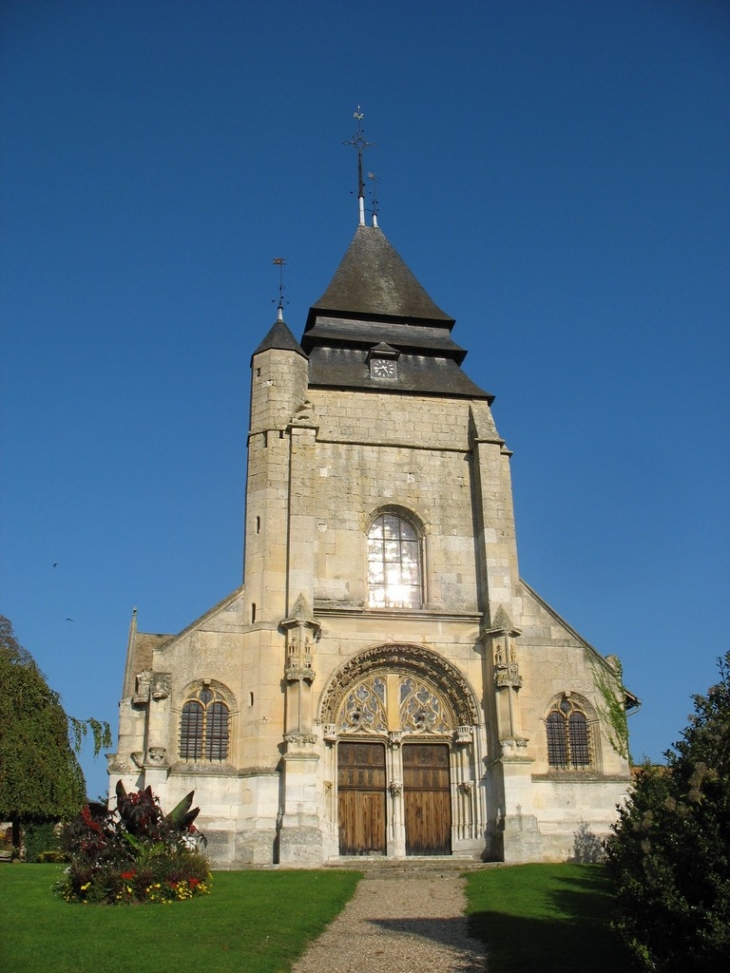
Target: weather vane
{"type": "Point", "coordinates": [280, 262]}
{"type": "Point", "coordinates": [359, 141]}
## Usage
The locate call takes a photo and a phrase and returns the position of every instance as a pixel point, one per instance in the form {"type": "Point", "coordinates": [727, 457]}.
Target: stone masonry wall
{"type": "Point", "coordinates": [379, 451]}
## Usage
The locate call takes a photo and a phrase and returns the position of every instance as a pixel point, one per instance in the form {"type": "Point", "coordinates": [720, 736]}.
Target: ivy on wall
{"type": "Point", "coordinates": [611, 709]}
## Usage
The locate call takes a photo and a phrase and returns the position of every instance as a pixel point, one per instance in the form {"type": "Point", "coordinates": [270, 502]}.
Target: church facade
{"type": "Point", "coordinates": [383, 682]}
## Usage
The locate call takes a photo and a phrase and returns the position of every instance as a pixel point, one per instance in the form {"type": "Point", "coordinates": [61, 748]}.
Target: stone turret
{"type": "Point", "coordinates": [278, 397]}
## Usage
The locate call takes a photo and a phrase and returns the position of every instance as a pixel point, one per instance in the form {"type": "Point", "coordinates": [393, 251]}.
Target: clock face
{"type": "Point", "coordinates": [382, 368]}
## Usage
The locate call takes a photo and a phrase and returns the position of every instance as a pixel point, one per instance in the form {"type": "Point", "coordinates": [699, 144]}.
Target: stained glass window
{"type": "Point", "coordinates": [578, 733]}
{"type": "Point", "coordinates": [394, 563]}
{"type": "Point", "coordinates": [413, 708]}
{"type": "Point", "coordinates": [204, 727]}
{"type": "Point", "coordinates": [191, 731]}
{"type": "Point", "coordinates": [364, 707]}
{"type": "Point", "coordinates": [556, 740]}
{"type": "Point", "coordinates": [421, 711]}
{"type": "Point", "coordinates": [568, 737]}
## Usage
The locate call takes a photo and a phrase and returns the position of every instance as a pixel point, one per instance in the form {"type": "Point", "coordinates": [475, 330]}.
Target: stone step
{"type": "Point", "coordinates": [413, 866]}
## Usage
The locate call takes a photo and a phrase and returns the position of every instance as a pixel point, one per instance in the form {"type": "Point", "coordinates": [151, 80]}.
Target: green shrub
{"type": "Point", "coordinates": [39, 838]}
{"type": "Point", "coordinates": [670, 851]}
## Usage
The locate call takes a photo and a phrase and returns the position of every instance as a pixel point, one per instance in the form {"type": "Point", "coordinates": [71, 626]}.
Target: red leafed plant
{"type": "Point", "coordinates": [135, 853]}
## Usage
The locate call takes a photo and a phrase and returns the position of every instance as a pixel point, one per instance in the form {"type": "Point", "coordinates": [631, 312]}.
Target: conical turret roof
{"type": "Point", "coordinates": [280, 337]}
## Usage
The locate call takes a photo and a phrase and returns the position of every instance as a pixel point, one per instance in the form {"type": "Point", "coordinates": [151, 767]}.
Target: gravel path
{"type": "Point", "coordinates": [399, 925]}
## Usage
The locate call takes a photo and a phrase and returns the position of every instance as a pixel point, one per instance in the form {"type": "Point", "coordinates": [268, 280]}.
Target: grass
{"type": "Point", "coordinates": [552, 918]}
{"type": "Point", "coordinates": [254, 922]}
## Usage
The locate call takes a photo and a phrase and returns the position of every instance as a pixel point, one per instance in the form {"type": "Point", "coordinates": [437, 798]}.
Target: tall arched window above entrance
{"type": "Point", "coordinates": [394, 563]}
{"type": "Point", "coordinates": [204, 727]}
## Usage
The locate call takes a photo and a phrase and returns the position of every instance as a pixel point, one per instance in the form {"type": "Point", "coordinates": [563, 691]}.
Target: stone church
{"type": "Point", "coordinates": [383, 682]}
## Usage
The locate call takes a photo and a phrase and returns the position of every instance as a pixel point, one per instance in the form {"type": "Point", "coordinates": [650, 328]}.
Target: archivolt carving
{"type": "Point", "coordinates": [408, 660]}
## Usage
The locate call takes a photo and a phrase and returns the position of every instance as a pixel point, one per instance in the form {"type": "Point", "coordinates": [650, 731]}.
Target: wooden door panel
{"type": "Point", "coordinates": [362, 823]}
{"type": "Point", "coordinates": [427, 799]}
{"type": "Point", "coordinates": [361, 789]}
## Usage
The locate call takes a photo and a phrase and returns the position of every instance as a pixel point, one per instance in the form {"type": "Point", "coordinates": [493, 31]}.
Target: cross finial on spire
{"type": "Point", "coordinates": [359, 142]}
{"type": "Point", "coordinates": [280, 262]}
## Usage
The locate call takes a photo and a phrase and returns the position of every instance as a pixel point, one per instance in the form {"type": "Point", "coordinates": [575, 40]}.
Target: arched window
{"type": "Point", "coordinates": [568, 738]}
{"type": "Point", "coordinates": [204, 727]}
{"type": "Point", "coordinates": [394, 563]}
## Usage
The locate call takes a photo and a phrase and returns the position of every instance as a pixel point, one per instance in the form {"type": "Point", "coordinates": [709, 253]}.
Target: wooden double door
{"type": "Point", "coordinates": [426, 794]}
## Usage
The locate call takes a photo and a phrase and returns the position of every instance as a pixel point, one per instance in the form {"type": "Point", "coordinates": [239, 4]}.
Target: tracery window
{"type": "Point", "coordinates": [421, 710]}
{"type": "Point", "coordinates": [394, 563]}
{"type": "Point", "coordinates": [568, 737]}
{"type": "Point", "coordinates": [364, 707]}
{"type": "Point", "coordinates": [204, 727]}
{"type": "Point", "coordinates": [372, 705]}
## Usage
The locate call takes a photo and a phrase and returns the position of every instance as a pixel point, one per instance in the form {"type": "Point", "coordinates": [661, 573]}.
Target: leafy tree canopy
{"type": "Point", "coordinates": [670, 851]}
{"type": "Point", "coordinates": [40, 776]}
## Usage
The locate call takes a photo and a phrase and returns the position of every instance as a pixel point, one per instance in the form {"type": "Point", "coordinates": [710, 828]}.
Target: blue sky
{"type": "Point", "coordinates": [555, 173]}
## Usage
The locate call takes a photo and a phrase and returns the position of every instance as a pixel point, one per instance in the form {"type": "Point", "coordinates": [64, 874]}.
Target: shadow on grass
{"type": "Point", "coordinates": [586, 897]}
{"type": "Point", "coordinates": [559, 923]}
{"type": "Point", "coordinates": [520, 945]}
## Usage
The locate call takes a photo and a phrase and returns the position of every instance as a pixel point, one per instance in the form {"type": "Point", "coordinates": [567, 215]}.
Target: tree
{"type": "Point", "coordinates": [670, 851]}
{"type": "Point", "coordinates": [40, 776]}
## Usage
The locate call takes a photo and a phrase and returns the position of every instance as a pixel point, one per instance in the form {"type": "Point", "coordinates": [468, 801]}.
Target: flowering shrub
{"type": "Point", "coordinates": [51, 857]}
{"type": "Point", "coordinates": [135, 853]}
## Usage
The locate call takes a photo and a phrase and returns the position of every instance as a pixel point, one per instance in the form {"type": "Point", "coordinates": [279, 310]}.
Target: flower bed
{"type": "Point", "coordinates": [135, 854]}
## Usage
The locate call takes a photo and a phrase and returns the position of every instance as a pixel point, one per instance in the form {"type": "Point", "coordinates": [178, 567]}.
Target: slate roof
{"type": "Point", "coordinates": [374, 299]}
{"type": "Point", "coordinates": [281, 338]}
{"type": "Point", "coordinates": [145, 647]}
{"type": "Point", "coordinates": [351, 331]}
{"type": "Point", "coordinates": [420, 374]}
{"type": "Point", "coordinates": [374, 280]}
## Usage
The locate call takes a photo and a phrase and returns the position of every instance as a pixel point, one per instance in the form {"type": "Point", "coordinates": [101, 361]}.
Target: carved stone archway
{"type": "Point", "coordinates": [406, 659]}
{"type": "Point", "coordinates": [421, 709]}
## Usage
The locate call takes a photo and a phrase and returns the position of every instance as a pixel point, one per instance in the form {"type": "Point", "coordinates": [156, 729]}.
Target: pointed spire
{"type": "Point", "coordinates": [129, 669]}
{"type": "Point", "coordinates": [502, 623]}
{"type": "Point", "coordinates": [373, 279]}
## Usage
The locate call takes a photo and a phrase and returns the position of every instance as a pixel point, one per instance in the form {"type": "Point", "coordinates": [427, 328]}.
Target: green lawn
{"type": "Point", "coordinates": [551, 918]}
{"type": "Point", "coordinates": [254, 922]}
